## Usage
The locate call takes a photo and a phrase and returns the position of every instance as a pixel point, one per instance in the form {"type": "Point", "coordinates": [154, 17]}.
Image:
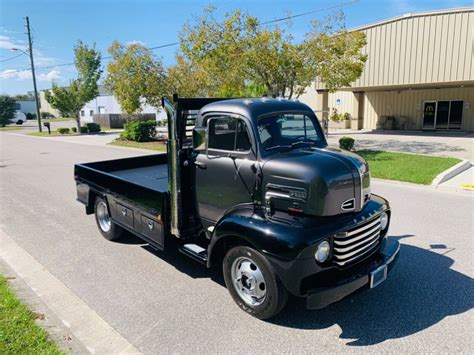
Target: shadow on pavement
{"type": "Point", "coordinates": [421, 291]}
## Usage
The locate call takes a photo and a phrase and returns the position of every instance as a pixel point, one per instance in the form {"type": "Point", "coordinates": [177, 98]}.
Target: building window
{"type": "Point", "coordinates": [82, 113]}
{"type": "Point", "coordinates": [91, 113]}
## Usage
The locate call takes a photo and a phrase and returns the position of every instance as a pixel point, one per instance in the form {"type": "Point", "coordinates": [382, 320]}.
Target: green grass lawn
{"type": "Point", "coordinates": [159, 146]}
{"type": "Point", "coordinates": [418, 169]}
{"type": "Point", "coordinates": [10, 128]}
{"type": "Point", "coordinates": [46, 134]}
{"type": "Point", "coordinates": [19, 333]}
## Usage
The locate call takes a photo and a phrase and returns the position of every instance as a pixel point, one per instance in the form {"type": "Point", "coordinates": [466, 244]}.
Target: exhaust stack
{"type": "Point", "coordinates": [174, 178]}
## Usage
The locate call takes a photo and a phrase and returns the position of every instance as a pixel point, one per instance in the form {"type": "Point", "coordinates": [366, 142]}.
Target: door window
{"type": "Point", "coordinates": [444, 114]}
{"type": "Point", "coordinates": [229, 134]}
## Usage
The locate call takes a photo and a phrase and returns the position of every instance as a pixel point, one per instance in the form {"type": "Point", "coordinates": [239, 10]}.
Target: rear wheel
{"type": "Point", "coordinates": [20, 122]}
{"type": "Point", "coordinates": [252, 283]}
{"type": "Point", "coordinates": [107, 228]}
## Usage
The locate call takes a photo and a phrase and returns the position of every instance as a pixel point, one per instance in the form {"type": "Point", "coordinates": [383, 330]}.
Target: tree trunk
{"type": "Point", "coordinates": [78, 122]}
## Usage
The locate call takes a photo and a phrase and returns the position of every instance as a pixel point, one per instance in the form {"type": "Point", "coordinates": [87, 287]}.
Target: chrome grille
{"type": "Point", "coordinates": [357, 242]}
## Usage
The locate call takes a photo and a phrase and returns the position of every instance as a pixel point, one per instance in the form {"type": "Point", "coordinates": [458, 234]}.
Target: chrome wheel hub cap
{"type": "Point", "coordinates": [103, 217]}
{"type": "Point", "coordinates": [248, 281]}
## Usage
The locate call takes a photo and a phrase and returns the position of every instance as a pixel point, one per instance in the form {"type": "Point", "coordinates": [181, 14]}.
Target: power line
{"type": "Point", "coordinates": [177, 43]}
{"type": "Point", "coordinates": [16, 56]}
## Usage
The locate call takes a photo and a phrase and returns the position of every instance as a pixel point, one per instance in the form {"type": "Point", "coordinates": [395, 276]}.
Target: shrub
{"type": "Point", "coordinates": [93, 127]}
{"type": "Point", "coordinates": [74, 129]}
{"type": "Point", "coordinates": [139, 131]}
{"type": "Point", "coordinates": [46, 115]}
{"type": "Point", "coordinates": [30, 116]}
{"type": "Point", "coordinates": [84, 129]}
{"type": "Point", "coordinates": [63, 130]}
{"type": "Point", "coordinates": [337, 117]}
{"type": "Point", "coordinates": [346, 143]}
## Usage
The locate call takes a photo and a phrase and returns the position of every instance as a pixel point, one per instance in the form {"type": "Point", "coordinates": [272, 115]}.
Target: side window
{"type": "Point", "coordinates": [242, 141]}
{"type": "Point", "coordinates": [228, 133]}
{"type": "Point", "coordinates": [222, 133]}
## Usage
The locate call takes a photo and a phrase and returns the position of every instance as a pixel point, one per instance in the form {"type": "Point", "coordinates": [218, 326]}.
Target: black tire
{"type": "Point", "coordinates": [114, 232]}
{"type": "Point", "coordinates": [19, 122]}
{"type": "Point", "coordinates": [276, 294]}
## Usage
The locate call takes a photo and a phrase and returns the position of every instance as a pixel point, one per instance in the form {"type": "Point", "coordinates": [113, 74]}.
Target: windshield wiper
{"type": "Point", "coordinates": [278, 146]}
{"type": "Point", "coordinates": [294, 144]}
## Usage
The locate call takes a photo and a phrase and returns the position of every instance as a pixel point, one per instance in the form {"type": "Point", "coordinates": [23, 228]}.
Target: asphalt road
{"type": "Point", "coordinates": [162, 302]}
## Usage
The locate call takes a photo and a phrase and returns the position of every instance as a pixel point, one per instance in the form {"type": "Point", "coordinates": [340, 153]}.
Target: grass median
{"type": "Point", "coordinates": [19, 333]}
{"type": "Point", "coordinates": [414, 168]}
{"type": "Point", "coordinates": [10, 128]}
{"type": "Point", "coordinates": [153, 145]}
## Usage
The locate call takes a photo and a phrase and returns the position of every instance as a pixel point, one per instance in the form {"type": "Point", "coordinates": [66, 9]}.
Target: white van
{"type": "Point", "coordinates": [19, 118]}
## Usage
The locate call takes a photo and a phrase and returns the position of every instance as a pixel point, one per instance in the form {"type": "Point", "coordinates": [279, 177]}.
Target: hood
{"type": "Point", "coordinates": [317, 181]}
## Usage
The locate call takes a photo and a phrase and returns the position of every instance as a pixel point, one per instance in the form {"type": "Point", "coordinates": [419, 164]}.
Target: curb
{"type": "Point", "coordinates": [92, 332]}
{"type": "Point", "coordinates": [451, 172]}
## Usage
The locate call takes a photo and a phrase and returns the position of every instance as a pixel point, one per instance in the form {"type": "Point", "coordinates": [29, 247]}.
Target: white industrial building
{"type": "Point", "coordinates": [419, 75]}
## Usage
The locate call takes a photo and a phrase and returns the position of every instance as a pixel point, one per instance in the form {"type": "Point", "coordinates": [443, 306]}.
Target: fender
{"type": "Point", "coordinates": [283, 236]}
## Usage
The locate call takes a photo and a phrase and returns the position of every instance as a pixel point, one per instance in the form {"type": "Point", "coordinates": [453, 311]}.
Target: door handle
{"type": "Point", "coordinates": [200, 165]}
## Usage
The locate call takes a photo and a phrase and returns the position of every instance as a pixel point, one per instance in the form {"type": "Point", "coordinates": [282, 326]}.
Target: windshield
{"type": "Point", "coordinates": [287, 130]}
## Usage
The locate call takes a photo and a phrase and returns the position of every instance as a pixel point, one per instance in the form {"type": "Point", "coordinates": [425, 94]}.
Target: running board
{"type": "Point", "coordinates": [195, 252]}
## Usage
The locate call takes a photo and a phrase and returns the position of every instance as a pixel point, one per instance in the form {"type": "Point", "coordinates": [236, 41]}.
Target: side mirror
{"type": "Point", "coordinates": [200, 138]}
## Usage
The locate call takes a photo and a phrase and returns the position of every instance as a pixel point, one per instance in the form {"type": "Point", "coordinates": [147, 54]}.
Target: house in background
{"type": "Point", "coordinates": [419, 75]}
{"type": "Point", "coordinates": [26, 106]}
{"type": "Point", "coordinates": [105, 103]}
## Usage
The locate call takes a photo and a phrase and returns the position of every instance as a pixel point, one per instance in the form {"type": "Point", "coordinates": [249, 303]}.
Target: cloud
{"type": "Point", "coordinates": [136, 42]}
{"type": "Point", "coordinates": [53, 75]}
{"type": "Point", "coordinates": [7, 42]}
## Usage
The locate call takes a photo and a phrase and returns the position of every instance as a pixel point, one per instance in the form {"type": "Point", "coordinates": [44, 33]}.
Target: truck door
{"type": "Point", "coordinates": [224, 174]}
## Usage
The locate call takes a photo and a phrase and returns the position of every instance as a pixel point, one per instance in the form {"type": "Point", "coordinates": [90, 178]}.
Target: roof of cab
{"type": "Point", "coordinates": [252, 107]}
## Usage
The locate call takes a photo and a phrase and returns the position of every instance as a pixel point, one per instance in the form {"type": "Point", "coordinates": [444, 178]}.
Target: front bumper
{"type": "Point", "coordinates": [322, 297]}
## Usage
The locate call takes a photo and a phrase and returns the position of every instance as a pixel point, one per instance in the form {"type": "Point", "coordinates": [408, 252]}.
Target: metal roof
{"type": "Point", "coordinates": [414, 15]}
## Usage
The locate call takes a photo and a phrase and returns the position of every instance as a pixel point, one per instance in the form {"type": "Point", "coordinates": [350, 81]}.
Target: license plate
{"type": "Point", "coordinates": [378, 276]}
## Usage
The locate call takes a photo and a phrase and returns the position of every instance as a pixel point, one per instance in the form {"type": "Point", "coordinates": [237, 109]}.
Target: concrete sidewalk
{"type": "Point", "coordinates": [453, 144]}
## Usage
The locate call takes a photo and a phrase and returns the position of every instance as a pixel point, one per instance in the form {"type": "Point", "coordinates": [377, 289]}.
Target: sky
{"type": "Point", "coordinates": [58, 25]}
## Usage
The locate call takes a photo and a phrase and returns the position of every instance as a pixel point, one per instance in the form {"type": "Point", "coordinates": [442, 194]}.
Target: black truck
{"type": "Point", "coordinates": [250, 184]}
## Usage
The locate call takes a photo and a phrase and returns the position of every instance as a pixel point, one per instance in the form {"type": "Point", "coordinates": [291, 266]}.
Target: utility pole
{"type": "Point", "coordinates": [33, 73]}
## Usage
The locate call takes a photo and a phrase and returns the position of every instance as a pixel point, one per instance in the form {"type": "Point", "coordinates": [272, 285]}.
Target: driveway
{"type": "Point", "coordinates": [457, 144]}
{"type": "Point", "coordinates": [162, 302]}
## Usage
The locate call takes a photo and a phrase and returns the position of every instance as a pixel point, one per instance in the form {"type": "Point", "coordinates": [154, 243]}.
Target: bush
{"type": "Point", "coordinates": [74, 129]}
{"type": "Point", "coordinates": [45, 115]}
{"type": "Point", "coordinates": [84, 130]}
{"type": "Point", "coordinates": [63, 130]}
{"type": "Point", "coordinates": [30, 116]}
{"type": "Point", "coordinates": [93, 127]}
{"type": "Point", "coordinates": [139, 131]}
{"type": "Point", "coordinates": [337, 117]}
{"type": "Point", "coordinates": [346, 143]}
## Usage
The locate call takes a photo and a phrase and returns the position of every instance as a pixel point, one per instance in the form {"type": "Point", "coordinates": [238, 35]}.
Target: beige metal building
{"type": "Point", "coordinates": [419, 75]}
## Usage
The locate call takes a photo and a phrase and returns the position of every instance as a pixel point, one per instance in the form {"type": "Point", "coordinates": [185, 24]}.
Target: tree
{"type": "Point", "coordinates": [7, 109]}
{"type": "Point", "coordinates": [23, 97]}
{"type": "Point", "coordinates": [135, 76]}
{"type": "Point", "coordinates": [71, 99]}
{"type": "Point", "coordinates": [240, 50]}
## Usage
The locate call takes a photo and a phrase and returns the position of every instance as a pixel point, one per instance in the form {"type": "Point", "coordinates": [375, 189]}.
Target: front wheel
{"type": "Point", "coordinates": [252, 283]}
{"type": "Point", "coordinates": [107, 228]}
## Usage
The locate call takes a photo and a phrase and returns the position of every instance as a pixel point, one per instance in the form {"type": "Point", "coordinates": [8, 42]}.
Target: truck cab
{"type": "Point", "coordinates": [251, 185]}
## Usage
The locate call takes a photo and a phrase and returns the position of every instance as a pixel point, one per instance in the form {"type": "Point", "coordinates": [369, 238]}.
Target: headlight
{"type": "Point", "coordinates": [322, 253]}
{"type": "Point", "coordinates": [384, 221]}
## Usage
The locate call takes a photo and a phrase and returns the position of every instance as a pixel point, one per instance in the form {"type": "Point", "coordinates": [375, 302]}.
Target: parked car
{"type": "Point", "coordinates": [256, 190]}
{"type": "Point", "coordinates": [19, 118]}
